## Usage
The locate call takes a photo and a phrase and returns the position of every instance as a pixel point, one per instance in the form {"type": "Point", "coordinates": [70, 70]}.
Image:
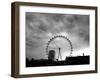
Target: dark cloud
{"type": "Point", "coordinates": [40, 27]}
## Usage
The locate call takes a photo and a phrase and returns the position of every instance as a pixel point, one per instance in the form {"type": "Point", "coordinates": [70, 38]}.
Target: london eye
{"type": "Point", "coordinates": [59, 47]}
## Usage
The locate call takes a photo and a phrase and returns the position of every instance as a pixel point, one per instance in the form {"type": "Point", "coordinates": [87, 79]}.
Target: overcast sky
{"type": "Point", "coordinates": [40, 27]}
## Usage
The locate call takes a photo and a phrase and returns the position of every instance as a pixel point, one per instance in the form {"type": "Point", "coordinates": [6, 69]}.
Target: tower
{"type": "Point", "coordinates": [51, 55]}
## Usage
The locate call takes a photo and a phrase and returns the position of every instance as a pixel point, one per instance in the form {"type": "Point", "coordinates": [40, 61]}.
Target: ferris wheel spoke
{"type": "Point", "coordinates": [56, 44]}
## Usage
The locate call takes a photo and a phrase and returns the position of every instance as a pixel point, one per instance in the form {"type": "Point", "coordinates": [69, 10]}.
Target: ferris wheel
{"type": "Point", "coordinates": [59, 46]}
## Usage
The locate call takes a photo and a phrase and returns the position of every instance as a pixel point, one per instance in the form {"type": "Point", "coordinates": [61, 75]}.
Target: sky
{"type": "Point", "coordinates": [41, 27]}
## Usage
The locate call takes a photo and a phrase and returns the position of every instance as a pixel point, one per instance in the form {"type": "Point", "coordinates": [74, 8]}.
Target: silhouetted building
{"type": "Point", "coordinates": [78, 60]}
{"type": "Point", "coordinates": [51, 55]}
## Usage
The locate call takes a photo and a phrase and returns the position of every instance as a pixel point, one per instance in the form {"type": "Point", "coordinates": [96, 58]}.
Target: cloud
{"type": "Point", "coordinates": [40, 27]}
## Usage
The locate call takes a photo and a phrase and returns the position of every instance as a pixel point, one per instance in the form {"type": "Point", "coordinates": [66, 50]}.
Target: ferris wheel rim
{"type": "Point", "coordinates": [60, 36]}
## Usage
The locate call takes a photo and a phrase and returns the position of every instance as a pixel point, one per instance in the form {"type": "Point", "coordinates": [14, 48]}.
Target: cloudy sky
{"type": "Point", "coordinates": [41, 27]}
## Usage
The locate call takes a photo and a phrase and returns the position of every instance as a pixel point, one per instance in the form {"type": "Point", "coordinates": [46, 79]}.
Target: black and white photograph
{"type": "Point", "coordinates": [52, 39]}
{"type": "Point", "coordinates": [57, 39]}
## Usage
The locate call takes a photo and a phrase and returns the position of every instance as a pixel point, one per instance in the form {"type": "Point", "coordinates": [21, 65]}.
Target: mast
{"type": "Point", "coordinates": [59, 54]}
